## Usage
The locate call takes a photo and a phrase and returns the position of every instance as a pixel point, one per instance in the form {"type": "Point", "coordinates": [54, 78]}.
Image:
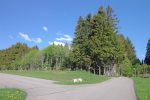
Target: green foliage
{"type": "Point", "coordinates": [12, 94]}
{"type": "Point", "coordinates": [12, 54]}
{"type": "Point", "coordinates": [130, 51]}
{"type": "Point", "coordinates": [121, 42]}
{"type": "Point", "coordinates": [103, 39]}
{"type": "Point", "coordinates": [138, 69]}
{"type": "Point", "coordinates": [56, 57]}
{"type": "Point", "coordinates": [79, 55]}
{"type": "Point", "coordinates": [126, 69]}
{"type": "Point", "coordinates": [52, 57]}
{"type": "Point", "coordinates": [31, 60]}
{"type": "Point", "coordinates": [148, 69]}
{"type": "Point", "coordinates": [96, 45]}
{"type": "Point", "coordinates": [127, 52]}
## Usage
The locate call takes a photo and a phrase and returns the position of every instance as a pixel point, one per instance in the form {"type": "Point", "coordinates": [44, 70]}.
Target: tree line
{"type": "Point", "coordinates": [22, 57]}
{"type": "Point", "coordinates": [97, 48]}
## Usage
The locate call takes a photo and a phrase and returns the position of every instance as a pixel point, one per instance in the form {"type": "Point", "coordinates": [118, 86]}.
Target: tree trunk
{"type": "Point", "coordinates": [88, 69]}
{"type": "Point", "coordinates": [99, 71]}
{"type": "Point", "coordinates": [56, 63]}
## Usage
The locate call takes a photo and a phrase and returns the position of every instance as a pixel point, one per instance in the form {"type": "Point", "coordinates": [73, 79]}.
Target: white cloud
{"type": "Point", "coordinates": [65, 37]}
{"type": "Point", "coordinates": [45, 28]}
{"type": "Point", "coordinates": [27, 38]}
{"type": "Point", "coordinates": [57, 43]}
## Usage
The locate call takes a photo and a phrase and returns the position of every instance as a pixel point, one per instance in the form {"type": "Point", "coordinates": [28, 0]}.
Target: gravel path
{"type": "Point", "coordinates": [39, 89]}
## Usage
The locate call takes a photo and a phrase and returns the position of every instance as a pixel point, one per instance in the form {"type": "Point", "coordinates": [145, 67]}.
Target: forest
{"type": "Point", "coordinates": [98, 47]}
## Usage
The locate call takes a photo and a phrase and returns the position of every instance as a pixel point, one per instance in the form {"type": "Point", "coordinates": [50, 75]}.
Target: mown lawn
{"type": "Point", "coordinates": [142, 87]}
{"type": "Point", "coordinates": [12, 94]}
{"type": "Point", "coordinates": [62, 77]}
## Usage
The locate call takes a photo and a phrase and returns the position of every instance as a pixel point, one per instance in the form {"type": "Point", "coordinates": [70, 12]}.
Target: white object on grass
{"type": "Point", "coordinates": [77, 80]}
{"type": "Point", "coordinates": [80, 79]}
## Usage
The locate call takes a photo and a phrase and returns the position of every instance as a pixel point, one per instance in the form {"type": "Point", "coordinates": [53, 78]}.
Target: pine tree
{"type": "Point", "coordinates": [147, 56]}
{"type": "Point", "coordinates": [130, 51]}
{"type": "Point", "coordinates": [103, 42]}
{"type": "Point", "coordinates": [80, 43]}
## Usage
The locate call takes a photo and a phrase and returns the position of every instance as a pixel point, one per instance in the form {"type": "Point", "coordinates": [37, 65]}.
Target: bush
{"type": "Point", "coordinates": [138, 69]}
{"type": "Point", "coordinates": [3, 67]}
{"type": "Point", "coordinates": [126, 68]}
{"type": "Point", "coordinates": [148, 69]}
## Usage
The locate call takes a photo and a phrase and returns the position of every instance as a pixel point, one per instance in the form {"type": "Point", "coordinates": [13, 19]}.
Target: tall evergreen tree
{"type": "Point", "coordinates": [103, 42]}
{"type": "Point", "coordinates": [130, 51]}
{"type": "Point", "coordinates": [80, 44]}
{"type": "Point", "coordinates": [147, 56]}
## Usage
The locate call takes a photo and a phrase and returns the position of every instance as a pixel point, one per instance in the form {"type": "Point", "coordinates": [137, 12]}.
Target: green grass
{"type": "Point", "coordinates": [142, 87]}
{"type": "Point", "coordinates": [12, 94]}
{"type": "Point", "coordinates": [62, 77]}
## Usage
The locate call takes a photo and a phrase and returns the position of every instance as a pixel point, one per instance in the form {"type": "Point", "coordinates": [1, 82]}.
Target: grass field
{"type": "Point", "coordinates": [142, 86]}
{"type": "Point", "coordinates": [12, 94]}
{"type": "Point", "coordinates": [62, 77]}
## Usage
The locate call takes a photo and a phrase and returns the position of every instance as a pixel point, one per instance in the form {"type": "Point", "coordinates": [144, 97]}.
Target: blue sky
{"type": "Point", "coordinates": [41, 22]}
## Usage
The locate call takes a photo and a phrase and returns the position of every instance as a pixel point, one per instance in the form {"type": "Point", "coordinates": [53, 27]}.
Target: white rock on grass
{"type": "Point", "coordinates": [77, 80]}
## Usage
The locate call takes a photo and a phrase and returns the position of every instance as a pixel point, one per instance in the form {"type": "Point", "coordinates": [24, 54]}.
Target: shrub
{"type": "Point", "coordinates": [126, 68]}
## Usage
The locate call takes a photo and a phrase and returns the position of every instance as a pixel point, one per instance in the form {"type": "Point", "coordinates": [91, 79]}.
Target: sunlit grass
{"type": "Point", "coordinates": [62, 77]}
{"type": "Point", "coordinates": [142, 87]}
{"type": "Point", "coordinates": [12, 94]}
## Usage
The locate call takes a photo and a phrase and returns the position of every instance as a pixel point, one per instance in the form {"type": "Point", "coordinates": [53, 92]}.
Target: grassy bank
{"type": "Point", "coordinates": [12, 94]}
{"type": "Point", "coordinates": [142, 86]}
{"type": "Point", "coordinates": [62, 77]}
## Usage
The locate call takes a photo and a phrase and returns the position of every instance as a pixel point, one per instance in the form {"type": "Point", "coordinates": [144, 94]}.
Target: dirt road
{"type": "Point", "coordinates": [39, 89]}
